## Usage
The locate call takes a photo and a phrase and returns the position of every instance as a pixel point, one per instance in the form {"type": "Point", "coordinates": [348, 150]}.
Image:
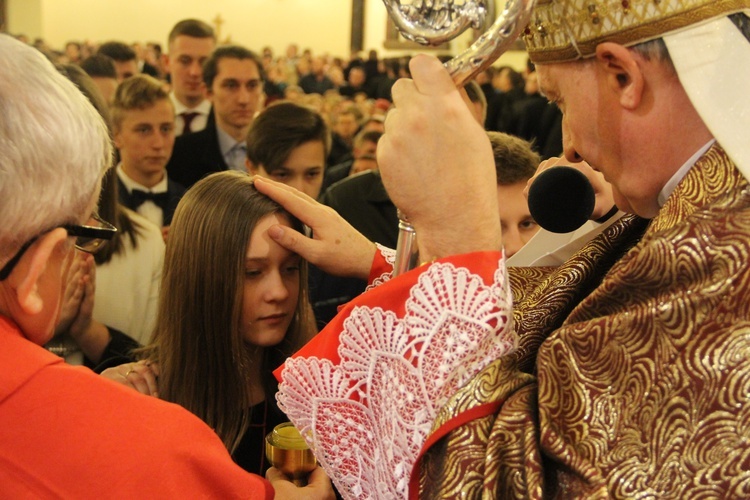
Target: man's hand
{"type": "Point", "coordinates": [90, 335]}
{"type": "Point", "coordinates": [335, 247]}
{"type": "Point", "coordinates": [437, 164]}
{"type": "Point", "coordinates": [141, 376]}
{"type": "Point", "coordinates": [318, 486]}
{"type": "Point", "coordinates": [73, 292]}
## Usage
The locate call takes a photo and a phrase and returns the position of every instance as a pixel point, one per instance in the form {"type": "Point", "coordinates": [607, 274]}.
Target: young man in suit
{"type": "Point", "coordinates": [102, 71]}
{"type": "Point", "coordinates": [143, 130]}
{"type": "Point", "coordinates": [233, 77]}
{"type": "Point", "coordinates": [190, 44]}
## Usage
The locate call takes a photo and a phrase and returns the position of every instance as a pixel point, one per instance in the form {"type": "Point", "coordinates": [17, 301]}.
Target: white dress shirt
{"type": "Point", "coordinates": [127, 287]}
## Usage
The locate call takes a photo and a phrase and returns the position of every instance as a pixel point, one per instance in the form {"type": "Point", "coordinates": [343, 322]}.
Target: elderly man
{"type": "Point", "coordinates": [68, 433]}
{"type": "Point", "coordinates": [632, 360]}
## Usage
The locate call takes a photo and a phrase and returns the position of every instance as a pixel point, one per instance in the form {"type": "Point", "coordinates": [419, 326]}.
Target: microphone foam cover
{"type": "Point", "coordinates": [561, 199]}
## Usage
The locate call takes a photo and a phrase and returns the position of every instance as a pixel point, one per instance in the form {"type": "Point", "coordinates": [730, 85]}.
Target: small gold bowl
{"type": "Point", "coordinates": [287, 451]}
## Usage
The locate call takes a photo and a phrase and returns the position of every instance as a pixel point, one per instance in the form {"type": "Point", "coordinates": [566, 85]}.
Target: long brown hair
{"type": "Point", "coordinates": [203, 361]}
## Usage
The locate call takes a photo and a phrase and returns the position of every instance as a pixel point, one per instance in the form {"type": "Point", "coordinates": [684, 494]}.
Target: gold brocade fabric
{"type": "Point", "coordinates": [565, 30]}
{"type": "Point", "coordinates": [643, 381]}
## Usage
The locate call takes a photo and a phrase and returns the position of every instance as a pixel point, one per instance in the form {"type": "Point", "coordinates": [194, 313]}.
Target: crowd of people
{"type": "Point", "coordinates": [306, 120]}
{"type": "Point", "coordinates": [187, 125]}
{"type": "Point", "coordinates": [328, 82]}
{"type": "Point", "coordinates": [241, 210]}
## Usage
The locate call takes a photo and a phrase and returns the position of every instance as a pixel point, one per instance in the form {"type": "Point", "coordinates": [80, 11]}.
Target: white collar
{"type": "Point", "coordinates": [204, 108]}
{"type": "Point", "coordinates": [681, 173]}
{"type": "Point", "coordinates": [130, 184]}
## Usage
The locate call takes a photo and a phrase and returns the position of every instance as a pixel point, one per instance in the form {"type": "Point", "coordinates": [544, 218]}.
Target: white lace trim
{"type": "Point", "coordinates": [368, 417]}
{"type": "Point", "coordinates": [390, 257]}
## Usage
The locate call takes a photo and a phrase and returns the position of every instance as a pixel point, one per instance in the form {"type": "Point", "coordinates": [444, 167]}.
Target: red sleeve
{"type": "Point", "coordinates": [380, 266]}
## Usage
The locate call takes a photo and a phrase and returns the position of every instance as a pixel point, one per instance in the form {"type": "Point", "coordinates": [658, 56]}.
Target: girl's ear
{"type": "Point", "coordinates": [623, 73]}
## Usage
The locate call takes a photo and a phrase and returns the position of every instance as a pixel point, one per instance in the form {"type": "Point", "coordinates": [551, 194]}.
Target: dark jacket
{"type": "Point", "coordinates": [196, 155]}
{"type": "Point", "coordinates": [363, 201]}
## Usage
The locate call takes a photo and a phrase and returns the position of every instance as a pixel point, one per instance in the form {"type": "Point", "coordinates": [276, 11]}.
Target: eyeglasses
{"type": "Point", "coordinates": [89, 238]}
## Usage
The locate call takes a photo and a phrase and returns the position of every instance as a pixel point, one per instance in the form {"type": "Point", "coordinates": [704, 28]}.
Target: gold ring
{"type": "Point", "coordinates": [132, 369]}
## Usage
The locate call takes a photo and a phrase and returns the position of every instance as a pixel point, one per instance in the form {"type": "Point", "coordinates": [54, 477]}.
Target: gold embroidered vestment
{"type": "Point", "coordinates": [632, 378]}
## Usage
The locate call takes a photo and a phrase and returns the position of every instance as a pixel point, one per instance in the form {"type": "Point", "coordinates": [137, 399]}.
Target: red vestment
{"type": "Point", "coordinates": [66, 432]}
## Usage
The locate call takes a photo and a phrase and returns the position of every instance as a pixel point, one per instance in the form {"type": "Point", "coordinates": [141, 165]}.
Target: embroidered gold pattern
{"type": "Point", "coordinates": [563, 25]}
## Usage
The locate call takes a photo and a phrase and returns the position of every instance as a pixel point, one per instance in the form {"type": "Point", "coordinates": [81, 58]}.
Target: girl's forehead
{"type": "Point", "coordinates": [261, 245]}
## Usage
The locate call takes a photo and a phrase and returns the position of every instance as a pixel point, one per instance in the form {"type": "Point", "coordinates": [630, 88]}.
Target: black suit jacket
{"type": "Point", "coordinates": [363, 201]}
{"type": "Point", "coordinates": [336, 173]}
{"type": "Point", "coordinates": [174, 190]}
{"type": "Point", "coordinates": [196, 155]}
{"type": "Point", "coordinates": [150, 70]}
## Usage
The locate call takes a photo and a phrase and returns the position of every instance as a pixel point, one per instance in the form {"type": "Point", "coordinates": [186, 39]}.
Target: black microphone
{"type": "Point", "coordinates": [561, 199]}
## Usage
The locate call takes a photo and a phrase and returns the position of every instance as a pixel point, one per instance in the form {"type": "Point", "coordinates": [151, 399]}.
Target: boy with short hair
{"type": "Point", "coordinates": [515, 163]}
{"type": "Point", "coordinates": [143, 130]}
{"type": "Point", "coordinates": [289, 143]}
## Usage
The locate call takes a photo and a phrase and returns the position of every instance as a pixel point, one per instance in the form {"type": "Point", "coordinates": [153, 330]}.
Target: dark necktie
{"type": "Point", "coordinates": [138, 197]}
{"type": "Point", "coordinates": [187, 119]}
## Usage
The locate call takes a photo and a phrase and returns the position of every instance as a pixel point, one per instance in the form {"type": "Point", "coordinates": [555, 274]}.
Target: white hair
{"type": "Point", "coordinates": [54, 147]}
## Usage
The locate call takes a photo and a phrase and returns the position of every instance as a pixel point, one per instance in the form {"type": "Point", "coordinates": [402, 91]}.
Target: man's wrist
{"type": "Point", "coordinates": [441, 243]}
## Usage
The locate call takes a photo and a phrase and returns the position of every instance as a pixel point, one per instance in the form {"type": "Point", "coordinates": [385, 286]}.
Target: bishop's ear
{"type": "Point", "coordinates": [623, 72]}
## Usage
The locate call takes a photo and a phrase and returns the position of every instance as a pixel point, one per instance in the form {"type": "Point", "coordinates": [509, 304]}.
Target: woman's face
{"type": "Point", "coordinates": [271, 289]}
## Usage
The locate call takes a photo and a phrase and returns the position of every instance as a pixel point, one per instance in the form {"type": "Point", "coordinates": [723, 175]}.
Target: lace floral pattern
{"type": "Point", "coordinates": [368, 417]}
{"type": "Point", "coordinates": [389, 255]}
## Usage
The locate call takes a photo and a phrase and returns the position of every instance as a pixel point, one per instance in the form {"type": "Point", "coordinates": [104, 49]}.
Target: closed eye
{"type": "Point", "coordinates": [293, 264]}
{"type": "Point", "coordinates": [292, 269]}
{"type": "Point", "coordinates": [252, 273]}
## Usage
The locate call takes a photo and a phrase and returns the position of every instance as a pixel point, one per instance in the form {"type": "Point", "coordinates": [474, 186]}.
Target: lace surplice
{"type": "Point", "coordinates": [368, 413]}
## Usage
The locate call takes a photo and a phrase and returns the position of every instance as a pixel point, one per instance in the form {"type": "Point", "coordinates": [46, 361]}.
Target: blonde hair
{"type": "Point", "coordinates": [137, 92]}
{"type": "Point", "coordinates": [203, 360]}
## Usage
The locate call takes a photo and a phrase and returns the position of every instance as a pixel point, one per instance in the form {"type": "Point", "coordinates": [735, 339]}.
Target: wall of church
{"type": "Point", "coordinates": [25, 16]}
{"type": "Point", "coordinates": [324, 26]}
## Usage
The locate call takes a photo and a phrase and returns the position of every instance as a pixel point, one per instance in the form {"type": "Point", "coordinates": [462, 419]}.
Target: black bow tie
{"type": "Point", "coordinates": [138, 197]}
